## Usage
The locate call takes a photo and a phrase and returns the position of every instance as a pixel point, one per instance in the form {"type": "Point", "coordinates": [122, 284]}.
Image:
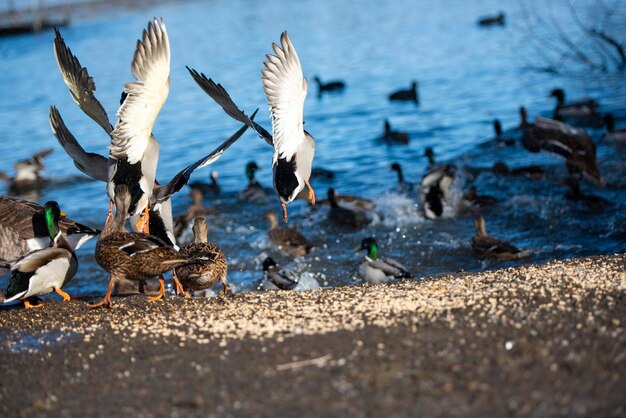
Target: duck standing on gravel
{"type": "Point", "coordinates": [410, 95]}
{"type": "Point", "coordinates": [27, 173]}
{"type": "Point", "coordinates": [288, 239]}
{"type": "Point", "coordinates": [209, 266]}
{"type": "Point", "coordinates": [46, 270]}
{"type": "Point", "coordinates": [435, 186]}
{"type": "Point", "coordinates": [376, 269]}
{"type": "Point", "coordinates": [286, 89]}
{"type": "Point", "coordinates": [486, 246]}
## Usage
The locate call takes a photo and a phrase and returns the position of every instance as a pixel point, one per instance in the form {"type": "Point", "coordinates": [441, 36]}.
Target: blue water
{"type": "Point", "coordinates": [468, 76]}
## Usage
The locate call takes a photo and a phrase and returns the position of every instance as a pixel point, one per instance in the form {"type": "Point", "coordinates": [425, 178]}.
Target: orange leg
{"type": "Point", "coordinates": [284, 206]}
{"type": "Point", "coordinates": [110, 215]}
{"type": "Point", "coordinates": [226, 286]}
{"type": "Point", "coordinates": [311, 192]}
{"type": "Point", "coordinates": [178, 286]}
{"type": "Point", "coordinates": [64, 295]}
{"type": "Point", "coordinates": [143, 224]}
{"type": "Point", "coordinates": [161, 294]}
{"type": "Point", "coordinates": [28, 305]}
{"type": "Point", "coordinates": [106, 302]}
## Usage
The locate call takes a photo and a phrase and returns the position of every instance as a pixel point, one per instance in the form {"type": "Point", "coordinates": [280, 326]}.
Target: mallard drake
{"type": "Point", "coordinates": [24, 229]}
{"type": "Point", "coordinates": [500, 138]}
{"type": "Point", "coordinates": [572, 144]}
{"type": "Point", "coordinates": [532, 172]}
{"type": "Point", "coordinates": [208, 188]}
{"type": "Point", "coordinates": [276, 278]}
{"type": "Point", "coordinates": [403, 185]}
{"type": "Point", "coordinates": [134, 255]}
{"type": "Point", "coordinates": [210, 265]}
{"type": "Point", "coordinates": [46, 270]}
{"type": "Point", "coordinates": [612, 134]}
{"type": "Point", "coordinates": [486, 246]}
{"type": "Point", "coordinates": [286, 89]}
{"type": "Point", "coordinates": [376, 269]}
{"type": "Point", "coordinates": [27, 173]}
{"type": "Point", "coordinates": [573, 110]}
{"type": "Point", "coordinates": [253, 190]}
{"type": "Point", "coordinates": [406, 95]}
{"type": "Point", "coordinates": [497, 20]}
{"type": "Point", "coordinates": [343, 216]}
{"type": "Point", "coordinates": [394, 137]}
{"type": "Point", "coordinates": [331, 86]}
{"type": "Point", "coordinates": [288, 239]}
{"type": "Point", "coordinates": [574, 194]}
{"type": "Point", "coordinates": [435, 186]}
{"type": "Point", "coordinates": [473, 198]}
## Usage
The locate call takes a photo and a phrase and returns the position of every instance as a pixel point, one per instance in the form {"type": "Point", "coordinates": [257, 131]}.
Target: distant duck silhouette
{"type": "Point", "coordinates": [581, 113]}
{"type": "Point", "coordinates": [289, 239]}
{"type": "Point", "coordinates": [611, 134]}
{"type": "Point", "coordinates": [523, 124]}
{"type": "Point", "coordinates": [403, 185]}
{"type": "Point", "coordinates": [344, 216]}
{"type": "Point", "coordinates": [435, 186]}
{"type": "Point", "coordinates": [592, 202]}
{"type": "Point", "coordinates": [486, 246]}
{"type": "Point", "coordinates": [500, 138]}
{"type": "Point", "coordinates": [474, 199]}
{"type": "Point", "coordinates": [497, 20]}
{"type": "Point", "coordinates": [572, 144]}
{"type": "Point", "coordinates": [322, 173]}
{"type": "Point", "coordinates": [331, 86]}
{"type": "Point", "coordinates": [394, 137]}
{"type": "Point", "coordinates": [253, 190]}
{"type": "Point", "coordinates": [532, 172]}
{"type": "Point", "coordinates": [27, 173]}
{"type": "Point", "coordinates": [208, 188]}
{"type": "Point", "coordinates": [406, 95]}
{"type": "Point", "coordinates": [376, 269]}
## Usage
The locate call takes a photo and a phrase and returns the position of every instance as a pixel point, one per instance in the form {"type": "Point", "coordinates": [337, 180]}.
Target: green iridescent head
{"type": "Point", "coordinates": [251, 167]}
{"type": "Point", "coordinates": [369, 244]}
{"type": "Point", "coordinates": [52, 214]}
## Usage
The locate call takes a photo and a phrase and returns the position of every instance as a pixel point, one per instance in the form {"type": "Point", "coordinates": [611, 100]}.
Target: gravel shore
{"type": "Point", "coordinates": [544, 340]}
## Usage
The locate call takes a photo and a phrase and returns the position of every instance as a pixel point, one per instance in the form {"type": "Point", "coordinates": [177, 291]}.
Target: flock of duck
{"type": "Point", "coordinates": [38, 243]}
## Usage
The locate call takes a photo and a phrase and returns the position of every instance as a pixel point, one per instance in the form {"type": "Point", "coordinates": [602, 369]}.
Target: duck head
{"type": "Point", "coordinates": [369, 244]}
{"type": "Point", "coordinates": [251, 167]}
{"type": "Point", "coordinates": [269, 263]}
{"type": "Point", "coordinates": [214, 176]}
{"type": "Point", "coordinates": [52, 214]}
{"type": "Point", "coordinates": [559, 94]}
{"type": "Point", "coordinates": [398, 169]}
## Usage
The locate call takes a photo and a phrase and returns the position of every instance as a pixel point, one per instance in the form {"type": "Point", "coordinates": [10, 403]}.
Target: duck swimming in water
{"type": "Point", "coordinates": [486, 246]}
{"type": "Point", "coordinates": [331, 86]}
{"type": "Point", "coordinates": [497, 20]}
{"type": "Point", "coordinates": [288, 239]}
{"type": "Point", "coordinates": [376, 269]}
{"type": "Point", "coordinates": [27, 174]}
{"type": "Point", "coordinates": [404, 186]}
{"type": "Point", "coordinates": [394, 137]}
{"type": "Point", "coordinates": [410, 95]}
{"type": "Point", "coordinates": [581, 113]}
{"type": "Point", "coordinates": [344, 216]}
{"type": "Point", "coordinates": [253, 191]}
{"type": "Point", "coordinates": [435, 186]}
{"type": "Point", "coordinates": [500, 138]}
{"type": "Point", "coordinates": [208, 188]}
{"type": "Point", "coordinates": [613, 135]}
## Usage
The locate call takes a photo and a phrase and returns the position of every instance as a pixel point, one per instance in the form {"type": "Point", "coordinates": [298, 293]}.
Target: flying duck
{"type": "Point", "coordinates": [612, 134]}
{"type": "Point", "coordinates": [286, 89]}
{"type": "Point", "coordinates": [288, 239]}
{"type": "Point", "coordinates": [45, 270]}
{"type": "Point", "coordinates": [563, 140]}
{"type": "Point", "coordinates": [376, 269]}
{"type": "Point", "coordinates": [344, 216]}
{"type": "Point", "coordinates": [331, 86]}
{"type": "Point", "coordinates": [394, 137]}
{"type": "Point", "coordinates": [406, 95]}
{"type": "Point", "coordinates": [134, 255]}
{"type": "Point", "coordinates": [27, 173]}
{"type": "Point", "coordinates": [486, 246]}
{"type": "Point", "coordinates": [210, 265]}
{"type": "Point", "coordinates": [435, 186]}
{"type": "Point", "coordinates": [24, 229]}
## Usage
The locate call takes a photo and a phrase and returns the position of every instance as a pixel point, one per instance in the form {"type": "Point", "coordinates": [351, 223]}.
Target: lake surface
{"type": "Point", "coordinates": [468, 76]}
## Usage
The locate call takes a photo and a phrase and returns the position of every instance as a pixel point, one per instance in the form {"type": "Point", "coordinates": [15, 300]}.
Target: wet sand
{"type": "Point", "coordinates": [542, 340]}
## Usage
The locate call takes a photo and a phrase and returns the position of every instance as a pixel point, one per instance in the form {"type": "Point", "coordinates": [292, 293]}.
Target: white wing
{"type": "Point", "coordinates": [285, 88]}
{"type": "Point", "coordinates": [136, 116]}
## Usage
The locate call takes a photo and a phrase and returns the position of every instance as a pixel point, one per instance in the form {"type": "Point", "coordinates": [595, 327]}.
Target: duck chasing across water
{"type": "Point", "coordinates": [286, 89]}
{"type": "Point", "coordinates": [376, 269]}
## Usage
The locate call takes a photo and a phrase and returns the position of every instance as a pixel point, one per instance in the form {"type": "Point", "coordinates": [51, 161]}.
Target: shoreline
{"type": "Point", "coordinates": [528, 340]}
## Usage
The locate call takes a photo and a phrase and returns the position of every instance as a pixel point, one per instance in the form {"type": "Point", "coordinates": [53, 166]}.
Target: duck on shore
{"type": "Point", "coordinates": [486, 246]}
{"type": "Point", "coordinates": [376, 269]}
{"type": "Point", "coordinates": [288, 239]}
{"type": "Point", "coordinates": [410, 95]}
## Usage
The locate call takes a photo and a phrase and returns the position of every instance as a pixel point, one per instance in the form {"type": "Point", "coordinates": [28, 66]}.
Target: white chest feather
{"type": "Point", "coordinates": [48, 277]}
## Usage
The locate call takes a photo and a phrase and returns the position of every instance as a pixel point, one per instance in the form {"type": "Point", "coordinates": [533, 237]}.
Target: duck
{"type": "Point", "coordinates": [486, 246]}
{"type": "Point", "coordinates": [344, 216]}
{"type": "Point", "coordinates": [210, 265]}
{"type": "Point", "coordinates": [532, 172]}
{"type": "Point", "coordinates": [476, 200]}
{"type": "Point", "coordinates": [584, 112]}
{"type": "Point", "coordinates": [500, 138]}
{"type": "Point", "coordinates": [24, 229]}
{"type": "Point", "coordinates": [322, 173]}
{"type": "Point", "coordinates": [288, 239]}
{"type": "Point", "coordinates": [406, 95]}
{"type": "Point", "coordinates": [285, 89]}
{"type": "Point", "coordinates": [134, 255]}
{"type": "Point", "coordinates": [565, 141]}
{"type": "Point", "coordinates": [497, 20]}
{"type": "Point", "coordinates": [376, 269]}
{"type": "Point", "coordinates": [208, 188]}
{"type": "Point", "coordinates": [404, 186]}
{"type": "Point", "coordinates": [394, 137]}
{"type": "Point", "coordinates": [523, 116]}
{"type": "Point", "coordinates": [253, 191]}
{"type": "Point", "coordinates": [275, 277]}
{"type": "Point", "coordinates": [43, 271]}
{"type": "Point", "coordinates": [612, 134]}
{"type": "Point", "coordinates": [194, 210]}
{"type": "Point", "coordinates": [574, 194]}
{"type": "Point", "coordinates": [27, 173]}
{"type": "Point", "coordinates": [331, 86]}
{"type": "Point", "coordinates": [434, 189]}
{"type": "Point", "coordinates": [353, 202]}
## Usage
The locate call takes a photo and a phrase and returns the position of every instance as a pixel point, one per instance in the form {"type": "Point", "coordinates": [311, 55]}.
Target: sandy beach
{"type": "Point", "coordinates": [543, 340]}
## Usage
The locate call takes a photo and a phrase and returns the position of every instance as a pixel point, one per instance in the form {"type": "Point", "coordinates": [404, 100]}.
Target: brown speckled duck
{"type": "Point", "coordinates": [486, 246]}
{"type": "Point", "coordinates": [288, 239]}
{"type": "Point", "coordinates": [210, 265]}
